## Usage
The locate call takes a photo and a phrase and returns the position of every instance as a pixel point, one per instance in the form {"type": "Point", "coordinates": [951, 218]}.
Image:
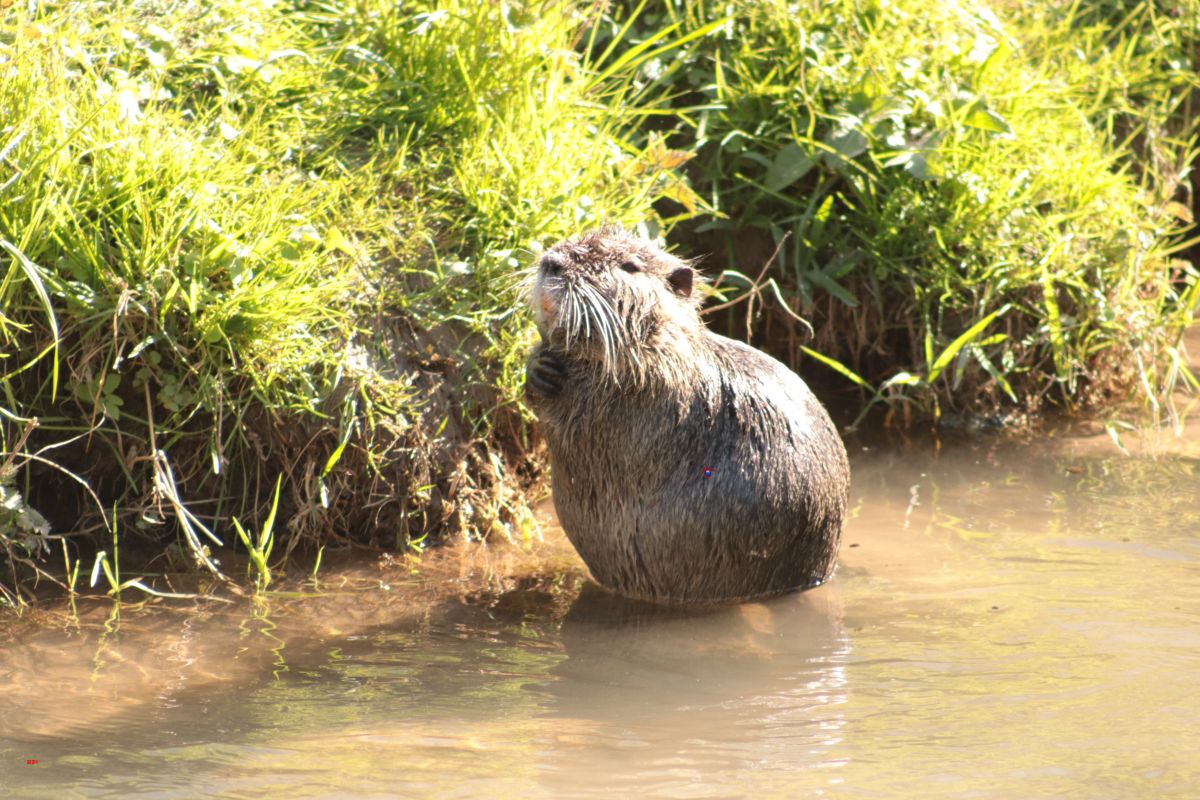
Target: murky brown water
{"type": "Point", "coordinates": [1007, 621]}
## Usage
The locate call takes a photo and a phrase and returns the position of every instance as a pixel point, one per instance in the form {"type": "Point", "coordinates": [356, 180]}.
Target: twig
{"type": "Point", "coordinates": [755, 286]}
{"type": "Point", "coordinates": [12, 455]}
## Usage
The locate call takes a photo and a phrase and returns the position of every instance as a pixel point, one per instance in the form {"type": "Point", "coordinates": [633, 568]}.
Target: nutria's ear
{"type": "Point", "coordinates": [681, 281]}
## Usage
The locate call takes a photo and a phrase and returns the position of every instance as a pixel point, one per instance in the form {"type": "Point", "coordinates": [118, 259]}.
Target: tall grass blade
{"type": "Point", "coordinates": [33, 275]}
{"type": "Point", "coordinates": [969, 335]}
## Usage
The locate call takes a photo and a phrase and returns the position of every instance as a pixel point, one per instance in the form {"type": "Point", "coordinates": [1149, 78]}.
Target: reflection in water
{"type": "Point", "coordinates": [1006, 622]}
{"type": "Point", "coordinates": [662, 699]}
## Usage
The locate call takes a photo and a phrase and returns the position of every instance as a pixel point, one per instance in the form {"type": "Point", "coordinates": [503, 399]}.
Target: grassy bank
{"type": "Point", "coordinates": [974, 205]}
{"type": "Point", "coordinates": [252, 240]}
{"type": "Point", "coordinates": [257, 243]}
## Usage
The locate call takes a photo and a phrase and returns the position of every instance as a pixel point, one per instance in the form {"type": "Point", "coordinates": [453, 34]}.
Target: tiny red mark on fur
{"type": "Point", "coordinates": [31, 761]}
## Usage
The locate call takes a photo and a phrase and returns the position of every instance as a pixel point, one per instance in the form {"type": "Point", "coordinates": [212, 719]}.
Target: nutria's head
{"type": "Point", "coordinates": [610, 297]}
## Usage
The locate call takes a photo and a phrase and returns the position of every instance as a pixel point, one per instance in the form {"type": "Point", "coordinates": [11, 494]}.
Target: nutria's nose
{"type": "Point", "coordinates": [552, 264]}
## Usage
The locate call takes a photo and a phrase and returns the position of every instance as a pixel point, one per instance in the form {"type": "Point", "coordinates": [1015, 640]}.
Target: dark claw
{"type": "Point", "coordinates": [546, 373]}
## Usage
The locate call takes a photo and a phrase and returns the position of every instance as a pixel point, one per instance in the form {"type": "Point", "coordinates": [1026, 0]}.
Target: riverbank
{"type": "Point", "coordinates": [261, 256]}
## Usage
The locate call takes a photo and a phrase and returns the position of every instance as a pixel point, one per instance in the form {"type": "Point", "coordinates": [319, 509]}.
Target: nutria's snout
{"type": "Point", "coordinates": [547, 290]}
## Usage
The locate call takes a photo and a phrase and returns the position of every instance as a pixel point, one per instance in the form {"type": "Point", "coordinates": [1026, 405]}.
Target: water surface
{"type": "Point", "coordinates": [1008, 620]}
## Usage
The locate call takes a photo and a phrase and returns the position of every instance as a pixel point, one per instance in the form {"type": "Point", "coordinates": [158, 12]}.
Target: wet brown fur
{"type": "Point", "coordinates": [635, 416]}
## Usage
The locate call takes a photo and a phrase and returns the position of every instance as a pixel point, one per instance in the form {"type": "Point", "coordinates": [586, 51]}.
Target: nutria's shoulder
{"type": "Point", "coordinates": [757, 376]}
{"type": "Point", "coordinates": [742, 360]}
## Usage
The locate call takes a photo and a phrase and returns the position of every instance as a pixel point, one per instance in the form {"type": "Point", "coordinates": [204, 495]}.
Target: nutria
{"type": "Point", "coordinates": [685, 466]}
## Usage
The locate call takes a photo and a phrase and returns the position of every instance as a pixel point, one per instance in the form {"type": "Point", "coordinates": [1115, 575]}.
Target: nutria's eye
{"type": "Point", "coordinates": [631, 266]}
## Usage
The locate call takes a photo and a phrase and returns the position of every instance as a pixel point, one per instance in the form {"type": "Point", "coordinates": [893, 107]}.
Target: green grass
{"type": "Point", "coordinates": [250, 239]}
{"type": "Point", "coordinates": [936, 165]}
{"type": "Point", "coordinates": [250, 244]}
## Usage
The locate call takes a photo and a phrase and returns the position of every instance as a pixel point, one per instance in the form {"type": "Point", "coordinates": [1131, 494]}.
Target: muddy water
{"type": "Point", "coordinates": [1007, 621]}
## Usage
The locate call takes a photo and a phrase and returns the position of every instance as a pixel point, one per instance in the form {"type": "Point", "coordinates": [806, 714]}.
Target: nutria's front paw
{"type": "Point", "coordinates": [546, 373]}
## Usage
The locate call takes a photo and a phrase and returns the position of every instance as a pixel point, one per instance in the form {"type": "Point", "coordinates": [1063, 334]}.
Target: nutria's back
{"type": "Point", "coordinates": [686, 466]}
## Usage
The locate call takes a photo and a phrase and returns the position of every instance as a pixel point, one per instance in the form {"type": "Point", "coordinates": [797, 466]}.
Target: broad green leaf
{"type": "Point", "coordinates": [919, 167]}
{"type": "Point", "coordinates": [789, 165]}
{"type": "Point", "coordinates": [849, 144]}
{"type": "Point", "coordinates": [833, 287]}
{"type": "Point", "coordinates": [984, 119]}
{"type": "Point", "coordinates": [968, 336]}
{"type": "Point", "coordinates": [843, 264]}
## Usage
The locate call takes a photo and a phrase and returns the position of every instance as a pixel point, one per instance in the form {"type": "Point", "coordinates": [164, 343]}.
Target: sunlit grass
{"type": "Point", "coordinates": [250, 239]}
{"type": "Point", "coordinates": [934, 165]}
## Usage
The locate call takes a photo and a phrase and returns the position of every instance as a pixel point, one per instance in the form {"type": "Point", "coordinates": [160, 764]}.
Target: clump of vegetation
{"type": "Point", "coordinates": [974, 204]}
{"type": "Point", "coordinates": [245, 240]}
{"type": "Point", "coordinates": [248, 244]}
